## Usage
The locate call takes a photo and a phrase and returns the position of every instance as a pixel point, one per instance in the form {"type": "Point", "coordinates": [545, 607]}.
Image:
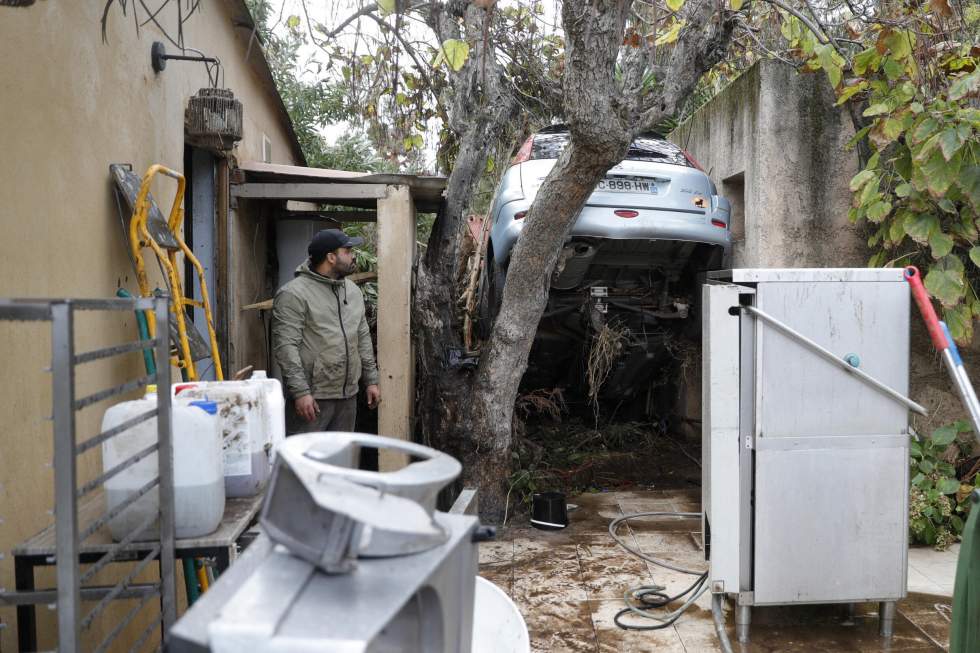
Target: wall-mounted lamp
{"type": "Point", "coordinates": [159, 57]}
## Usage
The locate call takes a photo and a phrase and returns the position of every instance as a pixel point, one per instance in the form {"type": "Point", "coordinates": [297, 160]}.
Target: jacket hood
{"type": "Point", "coordinates": [304, 270]}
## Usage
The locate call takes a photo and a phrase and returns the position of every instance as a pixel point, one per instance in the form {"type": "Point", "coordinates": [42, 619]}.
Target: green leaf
{"type": "Point", "coordinates": [944, 435]}
{"type": "Point", "coordinates": [950, 142]}
{"type": "Point", "coordinates": [675, 5]}
{"type": "Point", "coordinates": [455, 53]}
{"type": "Point", "coordinates": [975, 255]}
{"type": "Point", "coordinates": [861, 133]}
{"type": "Point", "coordinates": [900, 43]}
{"type": "Point", "coordinates": [947, 206]}
{"type": "Point", "coordinates": [939, 174]}
{"type": "Point", "coordinates": [851, 91]}
{"type": "Point", "coordinates": [920, 226]}
{"type": "Point", "coordinates": [671, 34]}
{"type": "Point", "coordinates": [870, 192]}
{"type": "Point", "coordinates": [948, 485]}
{"type": "Point", "coordinates": [893, 128]}
{"type": "Point", "coordinates": [926, 466]}
{"type": "Point", "coordinates": [965, 85]}
{"type": "Point", "coordinates": [915, 448]}
{"type": "Point", "coordinates": [736, 4]}
{"type": "Point", "coordinates": [401, 99]}
{"type": "Point", "coordinates": [956, 523]}
{"type": "Point", "coordinates": [917, 107]}
{"type": "Point", "coordinates": [879, 210]}
{"type": "Point", "coordinates": [893, 69]}
{"type": "Point", "coordinates": [903, 190]}
{"type": "Point", "coordinates": [386, 6]}
{"type": "Point", "coordinates": [876, 109]}
{"type": "Point", "coordinates": [940, 243]}
{"type": "Point", "coordinates": [969, 183]}
{"type": "Point", "coordinates": [292, 22]}
{"type": "Point", "coordinates": [896, 232]}
{"type": "Point", "coordinates": [924, 129]}
{"type": "Point", "coordinates": [960, 322]}
{"type": "Point", "coordinates": [945, 280]}
{"type": "Point", "coordinates": [866, 60]}
{"type": "Point", "coordinates": [860, 179]}
{"type": "Point", "coordinates": [834, 74]}
{"type": "Point", "coordinates": [918, 479]}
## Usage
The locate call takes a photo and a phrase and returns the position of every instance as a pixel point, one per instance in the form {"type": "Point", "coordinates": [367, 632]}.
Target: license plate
{"type": "Point", "coordinates": [627, 185]}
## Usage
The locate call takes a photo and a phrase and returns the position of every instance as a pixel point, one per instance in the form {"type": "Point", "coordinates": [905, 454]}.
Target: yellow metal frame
{"type": "Point", "coordinates": [139, 237]}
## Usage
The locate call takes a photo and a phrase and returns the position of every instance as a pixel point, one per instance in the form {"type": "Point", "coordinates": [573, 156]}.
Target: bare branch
{"type": "Point", "coordinates": [410, 50]}
{"type": "Point", "coordinates": [363, 11]}
{"type": "Point", "coordinates": [766, 50]}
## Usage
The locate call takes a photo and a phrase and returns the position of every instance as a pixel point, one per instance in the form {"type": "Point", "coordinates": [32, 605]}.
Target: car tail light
{"type": "Point", "coordinates": [624, 213]}
{"type": "Point", "coordinates": [719, 223]}
{"type": "Point", "coordinates": [524, 153]}
{"type": "Point", "coordinates": [692, 160]}
{"type": "Point", "coordinates": [520, 215]}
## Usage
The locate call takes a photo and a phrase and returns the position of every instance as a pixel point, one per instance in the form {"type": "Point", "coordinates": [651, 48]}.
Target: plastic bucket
{"type": "Point", "coordinates": [498, 626]}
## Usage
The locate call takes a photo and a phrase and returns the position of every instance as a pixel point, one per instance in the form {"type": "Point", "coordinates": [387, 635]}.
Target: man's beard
{"type": "Point", "coordinates": [345, 270]}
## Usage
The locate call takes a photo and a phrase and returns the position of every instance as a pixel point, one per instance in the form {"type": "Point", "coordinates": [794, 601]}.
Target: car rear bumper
{"type": "Point", "coordinates": [601, 222]}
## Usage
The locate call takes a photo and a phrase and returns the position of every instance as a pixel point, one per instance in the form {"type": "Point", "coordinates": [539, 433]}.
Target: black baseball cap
{"type": "Point", "coordinates": [329, 240]}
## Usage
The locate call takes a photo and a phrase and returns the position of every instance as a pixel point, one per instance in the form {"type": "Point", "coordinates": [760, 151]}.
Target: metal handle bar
{"type": "Point", "coordinates": [833, 358]}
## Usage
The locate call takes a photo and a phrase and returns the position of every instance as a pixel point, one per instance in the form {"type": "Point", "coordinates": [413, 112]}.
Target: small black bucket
{"type": "Point", "coordinates": [548, 511]}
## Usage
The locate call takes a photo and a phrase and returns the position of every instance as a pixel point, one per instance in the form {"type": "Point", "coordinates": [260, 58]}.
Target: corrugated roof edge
{"type": "Point", "coordinates": [242, 19]}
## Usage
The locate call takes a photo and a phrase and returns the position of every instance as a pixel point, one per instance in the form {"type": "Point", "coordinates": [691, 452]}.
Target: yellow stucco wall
{"type": "Point", "coordinates": [70, 105]}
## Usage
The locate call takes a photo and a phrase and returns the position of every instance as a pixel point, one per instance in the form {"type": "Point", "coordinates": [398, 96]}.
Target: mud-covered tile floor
{"type": "Point", "coordinates": [569, 585]}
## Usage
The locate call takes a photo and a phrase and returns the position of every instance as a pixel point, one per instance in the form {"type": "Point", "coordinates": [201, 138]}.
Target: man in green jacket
{"type": "Point", "coordinates": [321, 340]}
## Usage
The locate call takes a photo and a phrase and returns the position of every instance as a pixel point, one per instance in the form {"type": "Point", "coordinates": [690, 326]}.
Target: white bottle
{"type": "Point", "coordinates": [273, 410]}
{"type": "Point", "coordinates": [199, 497]}
{"type": "Point", "coordinates": [243, 438]}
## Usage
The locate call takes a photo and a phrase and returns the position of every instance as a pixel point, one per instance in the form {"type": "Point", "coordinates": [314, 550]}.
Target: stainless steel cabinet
{"type": "Point", "coordinates": [805, 439]}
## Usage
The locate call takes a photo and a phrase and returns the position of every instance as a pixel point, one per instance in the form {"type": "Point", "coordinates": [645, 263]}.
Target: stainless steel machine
{"type": "Point", "coordinates": [805, 437]}
{"type": "Point", "coordinates": [349, 560]}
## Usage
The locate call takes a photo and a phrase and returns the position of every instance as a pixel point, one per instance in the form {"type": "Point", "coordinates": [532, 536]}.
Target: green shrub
{"type": "Point", "coordinates": [938, 499]}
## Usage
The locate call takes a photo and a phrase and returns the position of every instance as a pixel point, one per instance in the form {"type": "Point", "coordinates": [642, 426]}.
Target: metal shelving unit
{"type": "Point", "coordinates": [69, 533]}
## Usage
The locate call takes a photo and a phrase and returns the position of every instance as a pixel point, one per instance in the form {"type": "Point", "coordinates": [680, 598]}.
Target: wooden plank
{"type": "Point", "coordinates": [239, 513]}
{"type": "Point", "coordinates": [336, 215]}
{"type": "Point", "coordinates": [222, 301]}
{"type": "Point", "coordinates": [321, 191]}
{"type": "Point", "coordinates": [396, 254]}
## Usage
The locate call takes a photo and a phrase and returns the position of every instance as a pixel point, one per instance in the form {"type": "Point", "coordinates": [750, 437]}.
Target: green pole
{"type": "Point", "coordinates": [964, 636]}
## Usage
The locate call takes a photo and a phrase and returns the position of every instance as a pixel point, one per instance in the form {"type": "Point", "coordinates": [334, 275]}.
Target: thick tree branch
{"type": "Point", "coordinates": [703, 42]}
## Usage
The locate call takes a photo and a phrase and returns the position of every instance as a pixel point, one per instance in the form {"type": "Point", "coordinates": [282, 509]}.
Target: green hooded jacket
{"type": "Point", "coordinates": [320, 337]}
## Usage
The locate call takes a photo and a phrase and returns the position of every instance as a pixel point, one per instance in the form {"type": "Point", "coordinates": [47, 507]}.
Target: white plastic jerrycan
{"type": "Point", "coordinates": [199, 496]}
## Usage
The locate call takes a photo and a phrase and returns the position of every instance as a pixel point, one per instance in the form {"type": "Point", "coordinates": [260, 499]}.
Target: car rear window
{"type": "Point", "coordinates": [548, 145]}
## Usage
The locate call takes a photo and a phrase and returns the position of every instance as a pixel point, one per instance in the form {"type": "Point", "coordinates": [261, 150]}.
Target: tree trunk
{"type": "Point", "coordinates": [598, 141]}
{"type": "Point", "coordinates": [481, 111]}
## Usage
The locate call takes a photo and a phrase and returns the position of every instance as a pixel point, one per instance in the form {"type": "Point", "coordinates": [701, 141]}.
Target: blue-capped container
{"type": "Point", "coordinates": [199, 486]}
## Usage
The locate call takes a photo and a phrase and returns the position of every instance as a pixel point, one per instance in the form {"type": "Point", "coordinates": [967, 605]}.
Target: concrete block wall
{"type": "Point", "coordinates": [776, 146]}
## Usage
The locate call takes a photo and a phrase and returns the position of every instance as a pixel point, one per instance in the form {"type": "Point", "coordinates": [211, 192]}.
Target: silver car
{"type": "Point", "coordinates": [651, 224]}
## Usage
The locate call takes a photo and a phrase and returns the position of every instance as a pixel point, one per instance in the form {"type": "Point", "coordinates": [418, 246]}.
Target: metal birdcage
{"type": "Point", "coordinates": [213, 119]}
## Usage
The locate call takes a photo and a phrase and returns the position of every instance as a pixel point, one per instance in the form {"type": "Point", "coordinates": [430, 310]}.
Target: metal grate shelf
{"type": "Point", "coordinates": [69, 533]}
